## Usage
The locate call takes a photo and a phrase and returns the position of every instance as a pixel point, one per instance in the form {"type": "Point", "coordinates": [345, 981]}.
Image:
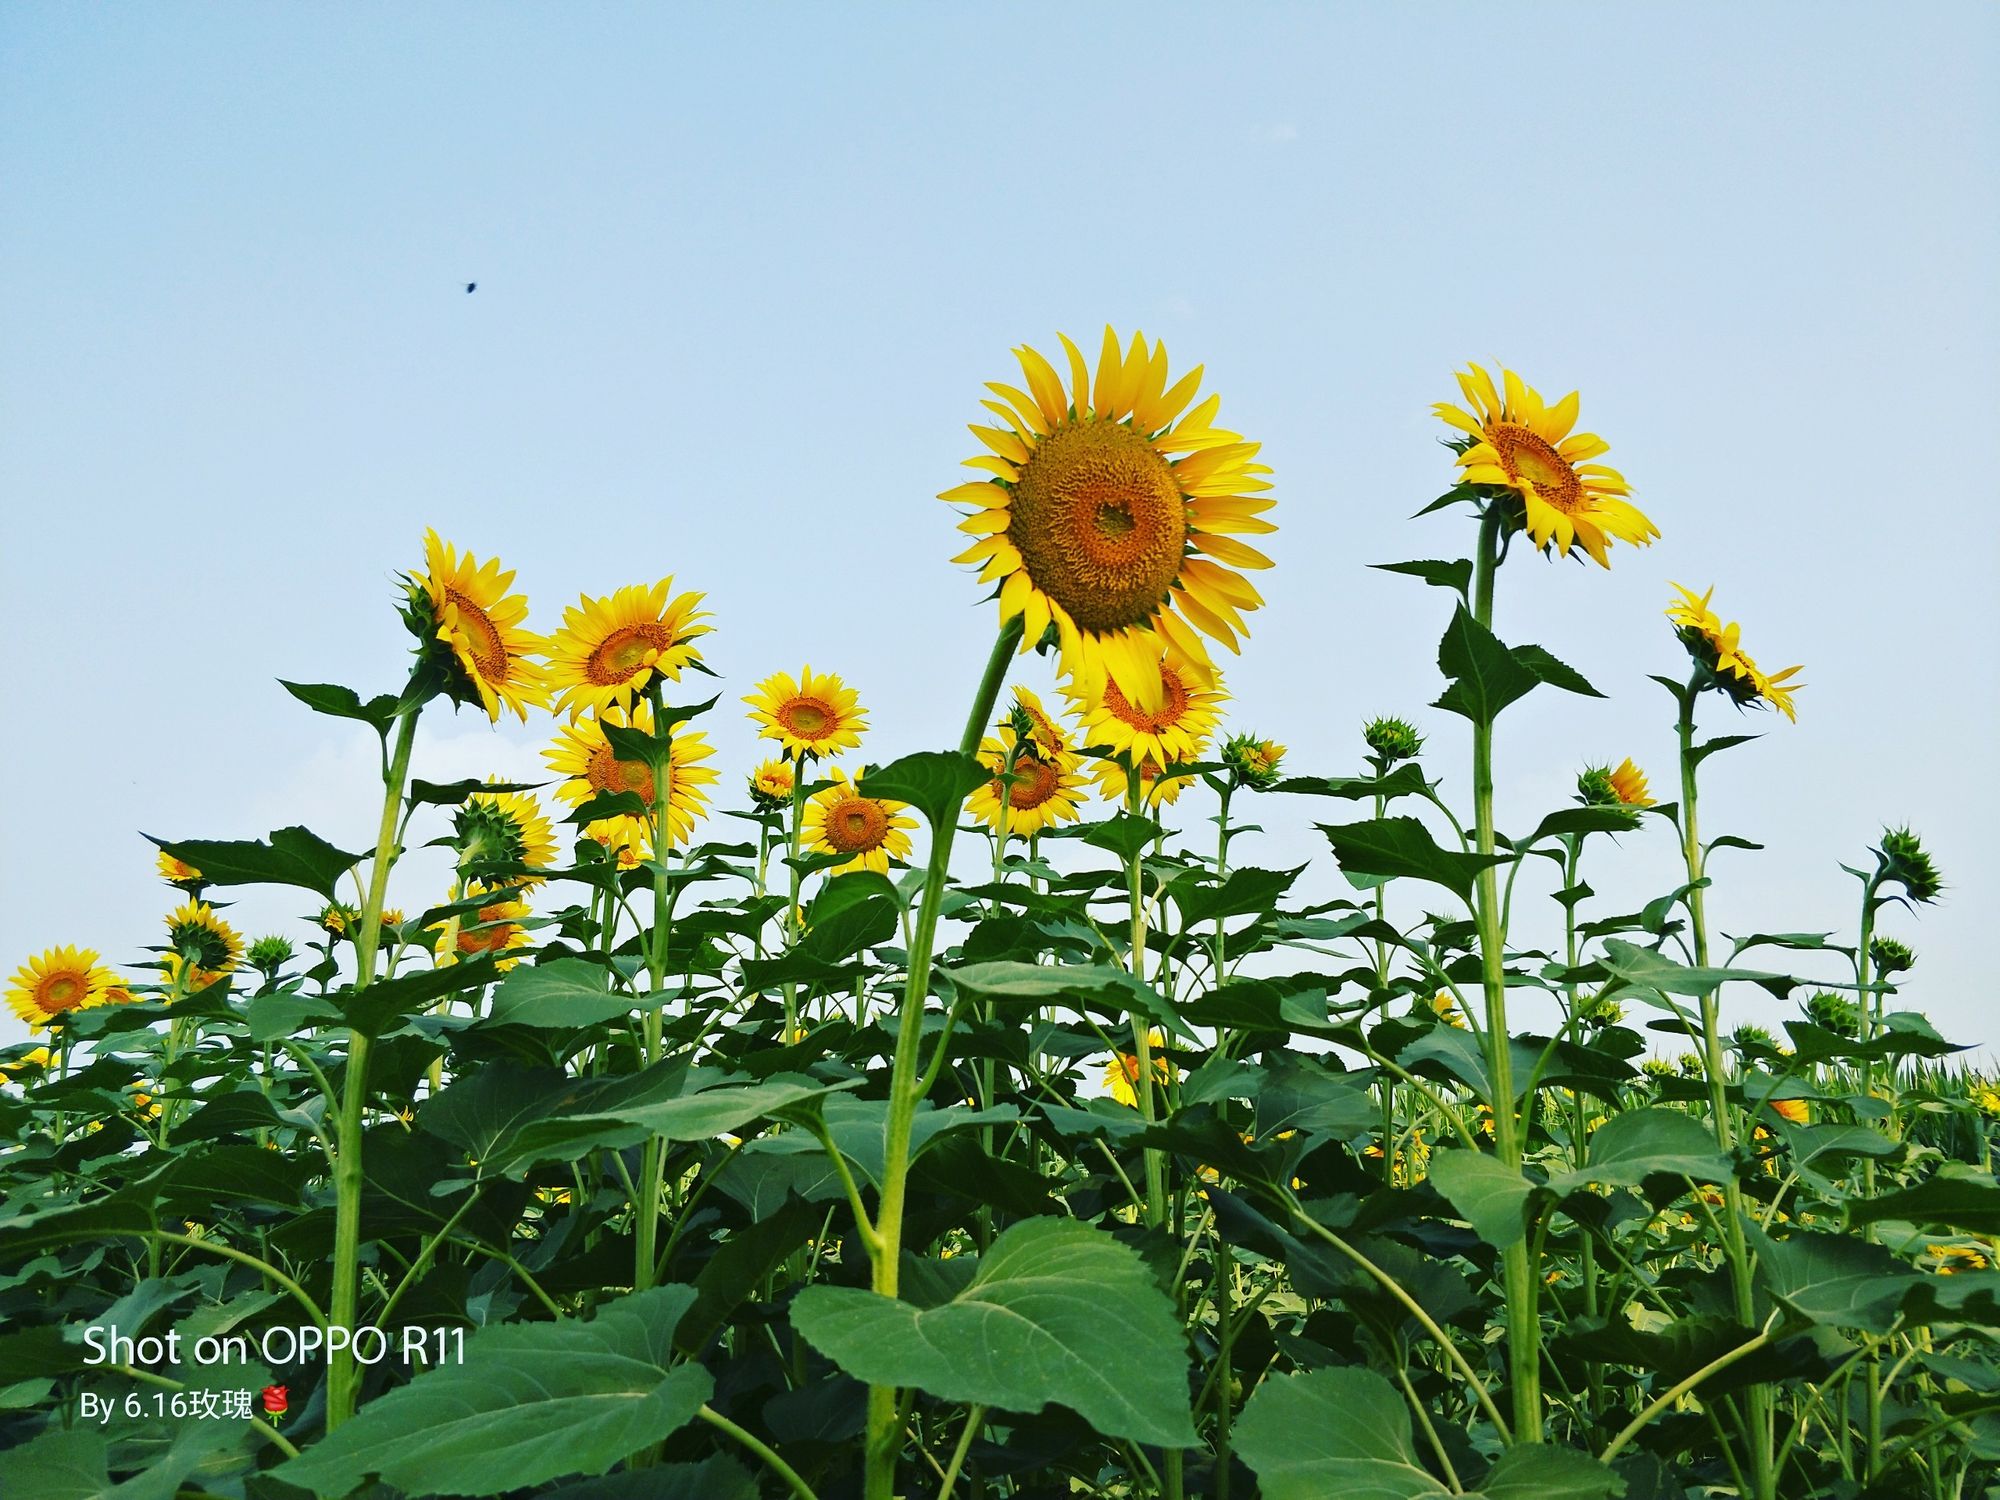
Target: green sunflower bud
{"type": "Point", "coordinates": [1835, 1013]}
{"type": "Point", "coordinates": [1891, 957]}
{"type": "Point", "coordinates": [1393, 739]}
{"type": "Point", "coordinates": [1253, 762]}
{"type": "Point", "coordinates": [1902, 859]}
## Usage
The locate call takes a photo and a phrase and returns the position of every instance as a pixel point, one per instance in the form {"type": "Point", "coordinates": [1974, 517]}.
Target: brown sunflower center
{"type": "Point", "coordinates": [1035, 781]}
{"type": "Point", "coordinates": [491, 935]}
{"type": "Point", "coordinates": [60, 992]}
{"type": "Point", "coordinates": [807, 718]}
{"type": "Point", "coordinates": [623, 652]}
{"type": "Point", "coordinates": [855, 825]}
{"type": "Point", "coordinates": [1524, 455]}
{"type": "Point", "coordinates": [1100, 523]}
{"type": "Point", "coordinates": [609, 774]}
{"type": "Point", "coordinates": [482, 643]}
{"type": "Point", "coordinates": [1173, 704]}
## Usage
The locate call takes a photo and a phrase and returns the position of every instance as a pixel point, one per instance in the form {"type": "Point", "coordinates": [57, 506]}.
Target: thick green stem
{"type": "Point", "coordinates": [1524, 1326]}
{"type": "Point", "coordinates": [647, 1231]}
{"type": "Point", "coordinates": [342, 1379]}
{"type": "Point", "coordinates": [885, 1427]}
{"type": "Point", "coordinates": [1757, 1399]}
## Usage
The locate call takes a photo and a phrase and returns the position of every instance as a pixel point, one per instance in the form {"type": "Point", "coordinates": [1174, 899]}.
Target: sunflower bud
{"type": "Point", "coordinates": [1253, 762]}
{"type": "Point", "coordinates": [270, 954]}
{"type": "Point", "coordinates": [1834, 1013]}
{"type": "Point", "coordinates": [771, 785]}
{"type": "Point", "coordinates": [1748, 1039]}
{"type": "Point", "coordinates": [338, 919]}
{"type": "Point", "coordinates": [1902, 859]}
{"type": "Point", "coordinates": [1891, 957]}
{"type": "Point", "coordinates": [1596, 1011]}
{"type": "Point", "coordinates": [1393, 739]}
{"type": "Point", "coordinates": [1622, 785]}
{"type": "Point", "coordinates": [1657, 1067]}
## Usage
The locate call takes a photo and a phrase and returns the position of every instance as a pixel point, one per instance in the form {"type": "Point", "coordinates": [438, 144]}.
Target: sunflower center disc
{"type": "Point", "coordinates": [1100, 524]}
{"type": "Point", "coordinates": [61, 992]}
{"type": "Point", "coordinates": [1527, 456]}
{"type": "Point", "coordinates": [1173, 704]}
{"type": "Point", "coordinates": [609, 774]}
{"type": "Point", "coordinates": [623, 652]}
{"type": "Point", "coordinates": [856, 826]}
{"type": "Point", "coordinates": [489, 652]}
{"type": "Point", "coordinates": [1034, 783]}
{"type": "Point", "coordinates": [806, 717]}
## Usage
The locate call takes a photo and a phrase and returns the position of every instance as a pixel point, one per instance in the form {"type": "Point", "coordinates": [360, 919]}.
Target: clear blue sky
{"type": "Point", "coordinates": [742, 272]}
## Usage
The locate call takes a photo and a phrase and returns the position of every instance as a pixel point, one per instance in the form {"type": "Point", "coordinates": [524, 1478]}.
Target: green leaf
{"type": "Point", "coordinates": [690, 1117]}
{"type": "Point", "coordinates": [1407, 780]}
{"type": "Point", "coordinates": [1031, 1327]}
{"type": "Point", "coordinates": [1542, 1473]}
{"type": "Point", "coordinates": [1333, 1432]}
{"type": "Point", "coordinates": [564, 993]}
{"type": "Point", "coordinates": [1650, 1142]}
{"type": "Point", "coordinates": [1485, 675]}
{"type": "Point", "coordinates": [1492, 1196]}
{"type": "Point", "coordinates": [1721, 742]}
{"type": "Point", "coordinates": [1403, 847]}
{"type": "Point", "coordinates": [1046, 984]}
{"type": "Point", "coordinates": [1124, 836]}
{"type": "Point", "coordinates": [934, 782]}
{"type": "Point", "coordinates": [1585, 820]}
{"type": "Point", "coordinates": [452, 793]}
{"type": "Point", "coordinates": [1244, 891]}
{"type": "Point", "coordinates": [608, 805]}
{"type": "Point", "coordinates": [1839, 1280]}
{"type": "Point", "coordinates": [387, 1002]}
{"type": "Point", "coordinates": [1958, 1198]}
{"type": "Point", "coordinates": [531, 1402]}
{"type": "Point", "coordinates": [1547, 669]}
{"type": "Point", "coordinates": [344, 703]}
{"type": "Point", "coordinates": [274, 1016]}
{"type": "Point", "coordinates": [1648, 969]}
{"type": "Point", "coordinates": [1456, 574]}
{"type": "Point", "coordinates": [292, 856]}
{"type": "Point", "coordinates": [851, 913]}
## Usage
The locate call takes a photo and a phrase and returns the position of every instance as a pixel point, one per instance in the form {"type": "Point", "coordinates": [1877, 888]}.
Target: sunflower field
{"type": "Point", "coordinates": [979, 1124]}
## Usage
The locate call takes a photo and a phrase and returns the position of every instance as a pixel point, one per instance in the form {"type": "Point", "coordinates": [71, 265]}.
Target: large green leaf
{"type": "Point", "coordinates": [1334, 1432]}
{"type": "Point", "coordinates": [1542, 1473]}
{"type": "Point", "coordinates": [291, 856]}
{"type": "Point", "coordinates": [1403, 847]}
{"type": "Point", "coordinates": [1650, 1142]}
{"type": "Point", "coordinates": [934, 782]}
{"type": "Point", "coordinates": [1648, 969]}
{"type": "Point", "coordinates": [1038, 1322]}
{"type": "Point", "coordinates": [565, 993]}
{"type": "Point", "coordinates": [530, 1402]}
{"type": "Point", "coordinates": [344, 703]}
{"type": "Point", "coordinates": [1491, 1195]}
{"type": "Point", "coordinates": [686, 1117]}
{"type": "Point", "coordinates": [1485, 675]}
{"type": "Point", "coordinates": [1047, 984]}
{"type": "Point", "coordinates": [388, 1002]}
{"type": "Point", "coordinates": [1957, 1197]}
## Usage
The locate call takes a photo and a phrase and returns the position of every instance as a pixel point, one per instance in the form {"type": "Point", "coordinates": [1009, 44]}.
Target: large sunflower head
{"type": "Point", "coordinates": [609, 649]}
{"type": "Point", "coordinates": [1111, 510]}
{"type": "Point", "coordinates": [1043, 786]}
{"type": "Point", "coordinates": [494, 928]}
{"type": "Point", "coordinates": [771, 785]}
{"type": "Point", "coordinates": [472, 629]}
{"type": "Point", "coordinates": [56, 983]}
{"type": "Point", "coordinates": [815, 715]}
{"type": "Point", "coordinates": [871, 831]}
{"type": "Point", "coordinates": [582, 756]}
{"type": "Point", "coordinates": [1520, 443]}
{"type": "Point", "coordinates": [502, 831]}
{"type": "Point", "coordinates": [201, 944]}
{"type": "Point", "coordinates": [1717, 651]}
{"type": "Point", "coordinates": [1176, 728]}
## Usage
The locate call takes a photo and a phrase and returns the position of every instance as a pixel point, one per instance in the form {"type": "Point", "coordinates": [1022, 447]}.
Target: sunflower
{"type": "Point", "coordinates": [1033, 722]}
{"type": "Point", "coordinates": [872, 830]}
{"type": "Point", "coordinates": [179, 872]}
{"type": "Point", "coordinates": [1253, 762]}
{"type": "Point", "coordinates": [582, 756]}
{"type": "Point", "coordinates": [203, 943]}
{"type": "Point", "coordinates": [60, 980]}
{"type": "Point", "coordinates": [627, 842]}
{"type": "Point", "coordinates": [1156, 788]}
{"type": "Point", "coordinates": [1176, 728]}
{"type": "Point", "coordinates": [1045, 788]}
{"type": "Point", "coordinates": [1521, 444]}
{"type": "Point", "coordinates": [1122, 1072]}
{"type": "Point", "coordinates": [1111, 515]}
{"type": "Point", "coordinates": [771, 785]}
{"type": "Point", "coordinates": [34, 1060]}
{"type": "Point", "coordinates": [504, 829]}
{"type": "Point", "coordinates": [1717, 649]}
{"type": "Point", "coordinates": [1622, 785]}
{"type": "Point", "coordinates": [495, 928]}
{"type": "Point", "coordinates": [610, 649]}
{"type": "Point", "coordinates": [478, 623]}
{"type": "Point", "coordinates": [812, 716]}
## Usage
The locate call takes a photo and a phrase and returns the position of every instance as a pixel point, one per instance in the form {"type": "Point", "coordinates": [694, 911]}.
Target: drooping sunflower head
{"type": "Point", "coordinates": [1717, 651]}
{"type": "Point", "coordinates": [201, 944]}
{"type": "Point", "coordinates": [1622, 785]}
{"type": "Point", "coordinates": [1177, 728]}
{"type": "Point", "coordinates": [870, 831]}
{"type": "Point", "coordinates": [498, 833]}
{"type": "Point", "coordinates": [495, 928]}
{"type": "Point", "coordinates": [1253, 762]}
{"type": "Point", "coordinates": [609, 649]}
{"type": "Point", "coordinates": [1519, 443]}
{"type": "Point", "coordinates": [471, 630]}
{"type": "Point", "coordinates": [1111, 511]}
{"type": "Point", "coordinates": [57, 982]}
{"type": "Point", "coordinates": [583, 757]}
{"type": "Point", "coordinates": [1031, 721]}
{"type": "Point", "coordinates": [178, 872]}
{"type": "Point", "coordinates": [1042, 786]}
{"type": "Point", "coordinates": [815, 715]}
{"type": "Point", "coordinates": [1903, 859]}
{"type": "Point", "coordinates": [771, 785]}
{"type": "Point", "coordinates": [1891, 956]}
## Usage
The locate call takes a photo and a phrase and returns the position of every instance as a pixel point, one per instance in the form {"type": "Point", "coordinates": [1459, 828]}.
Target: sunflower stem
{"type": "Point", "coordinates": [885, 1427]}
{"type": "Point", "coordinates": [647, 1231]}
{"type": "Point", "coordinates": [1757, 1399]}
{"type": "Point", "coordinates": [1524, 1327]}
{"type": "Point", "coordinates": [342, 1379]}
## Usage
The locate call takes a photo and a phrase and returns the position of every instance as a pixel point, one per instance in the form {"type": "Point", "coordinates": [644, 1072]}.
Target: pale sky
{"type": "Point", "coordinates": [743, 271]}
